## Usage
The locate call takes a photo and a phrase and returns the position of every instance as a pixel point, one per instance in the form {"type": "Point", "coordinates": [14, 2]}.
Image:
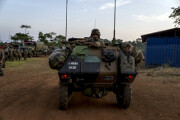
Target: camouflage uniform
{"type": "Point", "coordinates": [125, 47]}
{"type": "Point", "coordinates": [98, 42]}
{"type": "Point", "coordinates": [1, 61]}
{"type": "Point", "coordinates": [15, 54]}
{"type": "Point", "coordinates": [25, 53]}
{"type": "Point", "coordinates": [133, 51]}
{"type": "Point", "coordinates": [6, 54]}
{"type": "Point", "coordinates": [19, 54]}
{"type": "Point", "coordinates": [11, 57]}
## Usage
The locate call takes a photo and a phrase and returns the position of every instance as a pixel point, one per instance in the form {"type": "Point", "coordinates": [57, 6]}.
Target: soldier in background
{"type": "Point", "coordinates": [11, 57]}
{"type": "Point", "coordinates": [1, 60]}
{"type": "Point", "coordinates": [25, 53]}
{"type": "Point", "coordinates": [15, 54]}
{"type": "Point", "coordinates": [6, 53]}
{"type": "Point", "coordinates": [19, 55]}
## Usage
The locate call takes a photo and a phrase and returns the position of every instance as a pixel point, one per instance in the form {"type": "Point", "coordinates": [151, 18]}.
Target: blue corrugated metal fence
{"type": "Point", "coordinates": [163, 51]}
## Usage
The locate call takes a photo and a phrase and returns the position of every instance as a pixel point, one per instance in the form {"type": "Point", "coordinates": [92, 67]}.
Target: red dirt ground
{"type": "Point", "coordinates": [30, 92]}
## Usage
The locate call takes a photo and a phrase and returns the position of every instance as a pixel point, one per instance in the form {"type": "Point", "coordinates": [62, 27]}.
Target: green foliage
{"type": "Point", "coordinates": [176, 15]}
{"type": "Point", "coordinates": [42, 38]}
{"type": "Point", "coordinates": [119, 40]}
{"type": "Point", "coordinates": [138, 43]}
{"type": "Point", "coordinates": [50, 39]}
{"type": "Point", "coordinates": [26, 27]}
{"type": "Point", "coordinates": [1, 44]}
{"type": "Point", "coordinates": [59, 39]}
{"type": "Point", "coordinates": [21, 37]}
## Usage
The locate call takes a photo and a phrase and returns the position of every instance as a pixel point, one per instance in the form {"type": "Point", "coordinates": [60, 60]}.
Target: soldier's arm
{"type": "Point", "coordinates": [96, 44]}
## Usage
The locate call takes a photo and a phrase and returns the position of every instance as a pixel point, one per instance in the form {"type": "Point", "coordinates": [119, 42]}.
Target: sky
{"type": "Point", "coordinates": [134, 17]}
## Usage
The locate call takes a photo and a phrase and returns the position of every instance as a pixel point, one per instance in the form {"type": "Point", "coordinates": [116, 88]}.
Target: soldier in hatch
{"type": "Point", "coordinates": [127, 48]}
{"type": "Point", "coordinates": [95, 39]}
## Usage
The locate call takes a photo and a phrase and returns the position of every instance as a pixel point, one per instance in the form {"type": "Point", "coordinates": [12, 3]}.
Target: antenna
{"type": "Point", "coordinates": [66, 18]}
{"type": "Point", "coordinates": [0, 37]}
{"type": "Point", "coordinates": [95, 24]}
{"type": "Point", "coordinates": [9, 36]}
{"type": "Point", "coordinates": [114, 36]}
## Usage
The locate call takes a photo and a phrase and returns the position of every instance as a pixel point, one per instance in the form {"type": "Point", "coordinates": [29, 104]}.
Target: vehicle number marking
{"type": "Point", "coordinates": [72, 63]}
{"type": "Point", "coordinates": [72, 67]}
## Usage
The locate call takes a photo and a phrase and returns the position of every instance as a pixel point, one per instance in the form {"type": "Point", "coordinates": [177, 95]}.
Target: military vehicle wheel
{"type": "Point", "coordinates": [30, 55]}
{"type": "Point", "coordinates": [124, 96]}
{"type": "Point", "coordinates": [63, 97]}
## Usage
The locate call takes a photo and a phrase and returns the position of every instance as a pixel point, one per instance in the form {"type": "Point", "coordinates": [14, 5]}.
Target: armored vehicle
{"type": "Point", "coordinates": [95, 72]}
{"type": "Point", "coordinates": [37, 48]}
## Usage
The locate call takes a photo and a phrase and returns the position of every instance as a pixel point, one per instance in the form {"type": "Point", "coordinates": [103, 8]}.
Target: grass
{"type": "Point", "coordinates": [160, 71]}
{"type": "Point", "coordinates": [53, 70]}
{"type": "Point", "coordinates": [16, 63]}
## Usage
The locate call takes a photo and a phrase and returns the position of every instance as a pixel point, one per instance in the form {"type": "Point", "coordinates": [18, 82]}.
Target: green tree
{"type": "Point", "coordinates": [59, 38]}
{"type": "Point", "coordinates": [22, 37]}
{"type": "Point", "coordinates": [176, 15]}
{"type": "Point", "coordinates": [50, 35]}
{"type": "Point", "coordinates": [26, 27]}
{"type": "Point", "coordinates": [43, 38]}
{"type": "Point", "coordinates": [50, 39]}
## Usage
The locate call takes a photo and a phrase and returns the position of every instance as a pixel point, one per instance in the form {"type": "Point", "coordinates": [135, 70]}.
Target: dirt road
{"type": "Point", "coordinates": [30, 92]}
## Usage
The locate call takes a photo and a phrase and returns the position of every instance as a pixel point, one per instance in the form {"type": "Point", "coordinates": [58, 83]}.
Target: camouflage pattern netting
{"type": "Point", "coordinates": [57, 58]}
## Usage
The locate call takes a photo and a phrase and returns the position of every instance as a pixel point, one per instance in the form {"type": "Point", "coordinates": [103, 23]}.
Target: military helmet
{"type": "Point", "coordinates": [96, 32]}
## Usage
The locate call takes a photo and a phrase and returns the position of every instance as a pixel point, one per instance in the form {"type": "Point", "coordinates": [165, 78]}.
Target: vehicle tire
{"type": "Point", "coordinates": [63, 97]}
{"type": "Point", "coordinates": [124, 95]}
{"type": "Point", "coordinates": [30, 55]}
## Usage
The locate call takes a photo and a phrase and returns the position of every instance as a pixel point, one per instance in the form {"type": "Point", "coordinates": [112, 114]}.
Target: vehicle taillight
{"type": "Point", "coordinates": [130, 78]}
{"type": "Point", "coordinates": [64, 76]}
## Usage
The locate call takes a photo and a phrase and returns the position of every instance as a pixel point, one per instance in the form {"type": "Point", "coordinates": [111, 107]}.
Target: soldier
{"type": "Point", "coordinates": [1, 60]}
{"type": "Point", "coordinates": [25, 53]}
{"type": "Point", "coordinates": [15, 53]}
{"type": "Point", "coordinates": [11, 57]}
{"type": "Point", "coordinates": [19, 54]}
{"type": "Point", "coordinates": [125, 47]}
{"type": "Point", "coordinates": [95, 40]}
{"type": "Point", "coordinates": [133, 51]}
{"type": "Point", "coordinates": [6, 53]}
